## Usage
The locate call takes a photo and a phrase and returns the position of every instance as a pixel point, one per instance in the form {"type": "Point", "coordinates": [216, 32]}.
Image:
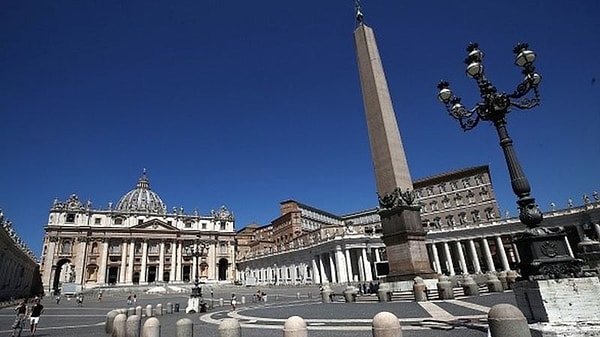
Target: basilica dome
{"type": "Point", "coordinates": [141, 199]}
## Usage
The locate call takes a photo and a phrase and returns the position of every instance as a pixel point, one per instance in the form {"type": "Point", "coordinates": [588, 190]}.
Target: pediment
{"type": "Point", "coordinates": [155, 225]}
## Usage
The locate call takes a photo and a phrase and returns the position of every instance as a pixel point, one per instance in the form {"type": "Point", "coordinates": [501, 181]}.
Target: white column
{"type": "Point", "coordinates": [143, 272]}
{"type": "Point", "coordinates": [315, 271]}
{"type": "Point", "coordinates": [569, 247]}
{"type": "Point", "coordinates": [474, 256]}
{"type": "Point", "coordinates": [461, 258]}
{"type": "Point", "coordinates": [488, 255]}
{"type": "Point", "coordinates": [367, 266]}
{"type": "Point", "coordinates": [342, 270]}
{"type": "Point", "coordinates": [161, 262]}
{"type": "Point", "coordinates": [129, 277]}
{"type": "Point", "coordinates": [436, 259]}
{"type": "Point", "coordinates": [332, 266]}
{"type": "Point", "coordinates": [173, 261]}
{"type": "Point", "coordinates": [449, 263]}
{"type": "Point", "coordinates": [349, 264]}
{"type": "Point", "coordinates": [516, 252]}
{"type": "Point", "coordinates": [102, 263]}
{"type": "Point", "coordinates": [377, 255]}
{"type": "Point", "coordinates": [179, 259]}
{"type": "Point", "coordinates": [122, 271]}
{"type": "Point", "coordinates": [502, 252]}
{"type": "Point", "coordinates": [324, 278]}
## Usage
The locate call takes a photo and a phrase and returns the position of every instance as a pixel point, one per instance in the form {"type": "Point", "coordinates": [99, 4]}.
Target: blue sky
{"type": "Point", "coordinates": [249, 103]}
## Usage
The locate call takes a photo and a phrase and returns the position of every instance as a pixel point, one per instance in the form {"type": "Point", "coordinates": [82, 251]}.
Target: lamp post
{"type": "Point", "coordinates": [494, 107]}
{"type": "Point", "coordinates": [197, 250]}
{"type": "Point", "coordinates": [543, 251]}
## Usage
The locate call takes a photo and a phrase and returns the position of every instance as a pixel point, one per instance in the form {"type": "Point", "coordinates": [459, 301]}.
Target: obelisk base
{"type": "Point", "coordinates": [404, 239]}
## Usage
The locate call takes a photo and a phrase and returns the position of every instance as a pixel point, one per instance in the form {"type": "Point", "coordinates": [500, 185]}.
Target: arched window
{"type": "Point", "coordinates": [94, 248]}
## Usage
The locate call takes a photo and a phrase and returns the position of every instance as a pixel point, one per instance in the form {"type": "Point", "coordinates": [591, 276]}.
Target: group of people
{"type": "Point", "coordinates": [23, 313]}
{"type": "Point", "coordinates": [260, 295]}
{"type": "Point", "coordinates": [132, 299]}
{"type": "Point", "coordinates": [364, 288]}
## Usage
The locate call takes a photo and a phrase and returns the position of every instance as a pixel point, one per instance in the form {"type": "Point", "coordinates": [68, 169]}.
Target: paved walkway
{"type": "Point", "coordinates": [461, 317]}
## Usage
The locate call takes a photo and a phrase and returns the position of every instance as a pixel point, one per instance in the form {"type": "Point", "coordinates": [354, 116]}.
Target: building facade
{"type": "Point", "coordinates": [465, 234]}
{"type": "Point", "coordinates": [136, 241]}
{"type": "Point", "coordinates": [19, 270]}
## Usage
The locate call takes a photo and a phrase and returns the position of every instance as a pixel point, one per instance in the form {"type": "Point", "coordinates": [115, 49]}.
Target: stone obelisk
{"type": "Point", "coordinates": [403, 233]}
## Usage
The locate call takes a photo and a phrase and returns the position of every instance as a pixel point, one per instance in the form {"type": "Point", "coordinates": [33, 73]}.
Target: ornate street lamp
{"type": "Point", "coordinates": [197, 250]}
{"type": "Point", "coordinates": [543, 251]}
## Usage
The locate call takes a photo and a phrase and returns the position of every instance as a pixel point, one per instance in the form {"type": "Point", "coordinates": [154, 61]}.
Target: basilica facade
{"type": "Point", "coordinates": [136, 241]}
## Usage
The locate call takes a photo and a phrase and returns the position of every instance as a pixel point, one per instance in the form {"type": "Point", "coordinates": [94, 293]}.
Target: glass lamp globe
{"type": "Point", "coordinates": [525, 57]}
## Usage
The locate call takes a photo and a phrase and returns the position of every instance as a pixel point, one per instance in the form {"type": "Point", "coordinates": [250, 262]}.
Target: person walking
{"type": "Point", "coordinates": [34, 318]}
{"type": "Point", "coordinates": [100, 297]}
{"type": "Point", "coordinates": [233, 302]}
{"type": "Point", "coordinates": [17, 325]}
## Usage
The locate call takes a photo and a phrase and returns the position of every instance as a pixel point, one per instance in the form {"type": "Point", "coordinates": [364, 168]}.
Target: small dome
{"type": "Point", "coordinates": [141, 199]}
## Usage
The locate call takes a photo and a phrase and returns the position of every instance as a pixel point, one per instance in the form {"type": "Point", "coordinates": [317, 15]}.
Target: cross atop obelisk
{"type": "Point", "coordinates": [403, 232]}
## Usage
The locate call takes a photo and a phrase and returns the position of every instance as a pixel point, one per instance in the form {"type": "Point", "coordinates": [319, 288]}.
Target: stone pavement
{"type": "Point", "coordinates": [461, 317]}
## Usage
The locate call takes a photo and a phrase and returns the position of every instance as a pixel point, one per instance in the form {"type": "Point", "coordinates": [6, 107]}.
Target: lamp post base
{"type": "Point", "coordinates": [545, 255]}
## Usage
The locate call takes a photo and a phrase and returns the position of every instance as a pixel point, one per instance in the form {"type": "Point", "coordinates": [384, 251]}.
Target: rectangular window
{"type": "Point", "coordinates": [70, 218]}
{"type": "Point", "coordinates": [97, 221]}
{"type": "Point", "coordinates": [203, 226]}
{"type": "Point", "coordinates": [140, 221]}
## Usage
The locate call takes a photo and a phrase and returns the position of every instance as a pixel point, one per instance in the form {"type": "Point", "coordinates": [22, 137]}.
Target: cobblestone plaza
{"type": "Point", "coordinates": [461, 317]}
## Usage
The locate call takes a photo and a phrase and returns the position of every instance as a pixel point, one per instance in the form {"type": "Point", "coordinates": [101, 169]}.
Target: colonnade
{"type": "Point", "coordinates": [333, 264]}
{"type": "Point", "coordinates": [472, 255]}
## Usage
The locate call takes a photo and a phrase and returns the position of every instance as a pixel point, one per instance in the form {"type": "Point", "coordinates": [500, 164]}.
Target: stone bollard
{"type": "Point", "coordinates": [276, 297]}
{"type": "Point", "coordinates": [110, 318]}
{"type": "Point", "coordinates": [349, 295]}
{"type": "Point", "coordinates": [295, 327]}
{"type": "Point", "coordinates": [243, 300]}
{"type": "Point", "coordinates": [420, 289]}
{"type": "Point", "coordinates": [122, 311]}
{"type": "Point", "coordinates": [169, 308]}
{"type": "Point", "coordinates": [138, 310]}
{"type": "Point", "coordinates": [130, 311]}
{"type": "Point", "coordinates": [444, 287]}
{"type": "Point", "coordinates": [184, 328]}
{"type": "Point", "coordinates": [469, 286]}
{"type": "Point", "coordinates": [149, 310]}
{"type": "Point", "coordinates": [506, 320]}
{"type": "Point", "coordinates": [386, 324]}
{"type": "Point", "coordinates": [511, 278]}
{"type": "Point", "coordinates": [265, 298]}
{"type": "Point", "coordinates": [221, 301]}
{"type": "Point", "coordinates": [159, 310]}
{"type": "Point", "coordinates": [134, 324]}
{"type": "Point", "coordinates": [326, 294]}
{"type": "Point", "coordinates": [230, 327]}
{"type": "Point", "coordinates": [383, 293]}
{"type": "Point", "coordinates": [297, 296]}
{"type": "Point", "coordinates": [494, 285]}
{"type": "Point", "coordinates": [503, 281]}
{"type": "Point", "coordinates": [151, 327]}
{"type": "Point", "coordinates": [119, 326]}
